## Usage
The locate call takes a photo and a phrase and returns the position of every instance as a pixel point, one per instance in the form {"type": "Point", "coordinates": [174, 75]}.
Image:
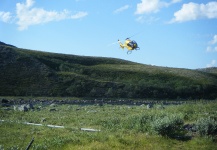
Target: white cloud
{"type": "Point", "coordinates": [214, 41]}
{"type": "Point", "coordinates": [211, 49]}
{"type": "Point", "coordinates": [29, 3]}
{"type": "Point", "coordinates": [28, 15]}
{"type": "Point", "coordinates": [5, 16]}
{"type": "Point", "coordinates": [212, 45]}
{"type": "Point", "coordinates": [140, 19]}
{"type": "Point", "coordinates": [176, 1]}
{"type": "Point", "coordinates": [78, 15]}
{"type": "Point", "coordinates": [147, 6]}
{"type": "Point", "coordinates": [212, 64]}
{"type": "Point", "coordinates": [194, 11]}
{"type": "Point", "coordinates": [153, 6]}
{"type": "Point", "coordinates": [146, 19]}
{"type": "Point", "coordinates": [123, 8]}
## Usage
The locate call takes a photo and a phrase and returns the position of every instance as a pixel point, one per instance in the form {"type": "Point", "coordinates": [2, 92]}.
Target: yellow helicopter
{"type": "Point", "coordinates": [129, 44]}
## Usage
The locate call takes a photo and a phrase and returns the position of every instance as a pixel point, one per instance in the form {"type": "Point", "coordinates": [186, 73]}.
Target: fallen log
{"type": "Point", "coordinates": [90, 130]}
{"type": "Point", "coordinates": [30, 143]}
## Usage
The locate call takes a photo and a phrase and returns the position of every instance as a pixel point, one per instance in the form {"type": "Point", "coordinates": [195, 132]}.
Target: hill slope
{"type": "Point", "coordinates": [35, 73]}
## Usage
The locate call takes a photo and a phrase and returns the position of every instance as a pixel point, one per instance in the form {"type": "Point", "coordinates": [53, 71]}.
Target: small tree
{"type": "Point", "coordinates": [93, 93]}
{"type": "Point", "coordinates": [168, 126]}
{"type": "Point", "coordinates": [110, 92]}
{"type": "Point", "coordinates": [206, 126]}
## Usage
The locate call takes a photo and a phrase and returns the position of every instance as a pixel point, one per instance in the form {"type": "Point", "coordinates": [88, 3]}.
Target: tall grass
{"type": "Point", "coordinates": [121, 127]}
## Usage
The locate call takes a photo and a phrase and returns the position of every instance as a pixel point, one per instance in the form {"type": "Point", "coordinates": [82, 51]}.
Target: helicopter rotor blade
{"type": "Point", "coordinates": [135, 34]}
{"type": "Point", "coordinates": [113, 43]}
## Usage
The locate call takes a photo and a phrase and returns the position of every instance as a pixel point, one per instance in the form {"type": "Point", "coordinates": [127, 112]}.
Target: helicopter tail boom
{"type": "Point", "coordinates": [121, 45]}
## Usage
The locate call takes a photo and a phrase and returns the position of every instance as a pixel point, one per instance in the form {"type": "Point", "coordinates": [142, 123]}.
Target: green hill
{"type": "Point", "coordinates": [34, 73]}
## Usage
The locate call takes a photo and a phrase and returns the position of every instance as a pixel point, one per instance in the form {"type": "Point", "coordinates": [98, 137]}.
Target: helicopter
{"type": "Point", "coordinates": [129, 44]}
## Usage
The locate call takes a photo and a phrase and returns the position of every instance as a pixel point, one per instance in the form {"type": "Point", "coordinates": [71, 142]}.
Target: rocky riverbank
{"type": "Point", "coordinates": [8, 102]}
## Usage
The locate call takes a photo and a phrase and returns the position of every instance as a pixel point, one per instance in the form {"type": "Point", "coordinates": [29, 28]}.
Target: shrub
{"type": "Point", "coordinates": [168, 125]}
{"type": "Point", "coordinates": [145, 122]}
{"type": "Point", "coordinates": [132, 122]}
{"type": "Point", "coordinates": [112, 123]}
{"type": "Point", "coordinates": [206, 126]}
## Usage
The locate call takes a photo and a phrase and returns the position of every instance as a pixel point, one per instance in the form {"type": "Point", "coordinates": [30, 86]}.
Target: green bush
{"type": "Point", "coordinates": [168, 125]}
{"type": "Point", "coordinates": [145, 122]}
{"type": "Point", "coordinates": [206, 126]}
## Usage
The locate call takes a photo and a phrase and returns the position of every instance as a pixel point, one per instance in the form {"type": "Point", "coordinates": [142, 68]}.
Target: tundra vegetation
{"type": "Point", "coordinates": [191, 125]}
{"type": "Point", "coordinates": [35, 73]}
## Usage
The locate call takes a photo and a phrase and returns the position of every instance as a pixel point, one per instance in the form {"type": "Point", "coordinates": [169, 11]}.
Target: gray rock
{"type": "Point", "coordinates": [38, 108]}
{"type": "Point", "coordinates": [5, 105]}
{"type": "Point", "coordinates": [15, 107]}
{"type": "Point", "coordinates": [7, 108]}
{"type": "Point", "coordinates": [22, 108]}
{"type": "Point", "coordinates": [29, 106]}
{"type": "Point", "coordinates": [5, 101]}
{"type": "Point", "coordinates": [149, 106]}
{"type": "Point", "coordinates": [53, 105]}
{"type": "Point", "coordinates": [43, 119]}
{"type": "Point", "coordinates": [160, 107]}
{"type": "Point", "coordinates": [190, 127]}
{"type": "Point", "coordinates": [53, 109]}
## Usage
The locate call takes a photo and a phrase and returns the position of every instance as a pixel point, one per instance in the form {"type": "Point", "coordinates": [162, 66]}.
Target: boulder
{"type": "Point", "coordinates": [29, 106]}
{"type": "Point", "coordinates": [149, 106]}
{"type": "Point", "coordinates": [53, 109]}
{"type": "Point", "coordinates": [24, 107]}
{"type": "Point", "coordinates": [43, 119]}
{"type": "Point", "coordinates": [53, 105]}
{"type": "Point", "coordinates": [4, 101]}
{"type": "Point", "coordinates": [190, 127]}
{"type": "Point", "coordinates": [7, 108]}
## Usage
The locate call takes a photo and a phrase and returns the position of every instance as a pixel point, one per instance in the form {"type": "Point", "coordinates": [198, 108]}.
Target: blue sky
{"type": "Point", "coordinates": [172, 33]}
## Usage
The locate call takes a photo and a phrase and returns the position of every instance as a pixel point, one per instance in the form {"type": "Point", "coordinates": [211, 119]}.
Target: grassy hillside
{"type": "Point", "coordinates": [35, 73]}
